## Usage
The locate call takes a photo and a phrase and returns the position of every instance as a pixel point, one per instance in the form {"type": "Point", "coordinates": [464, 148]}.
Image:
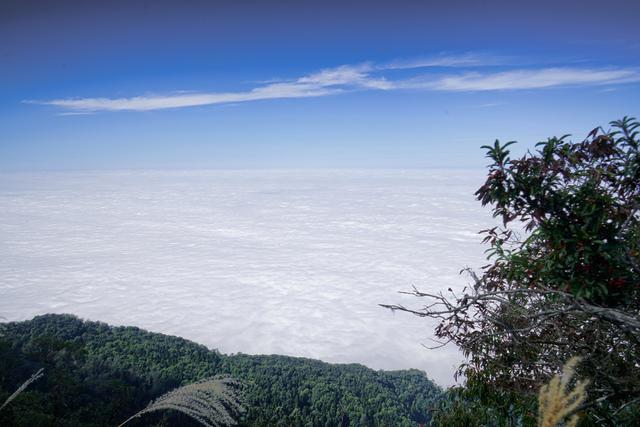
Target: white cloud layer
{"type": "Point", "coordinates": [256, 262]}
{"type": "Point", "coordinates": [370, 76]}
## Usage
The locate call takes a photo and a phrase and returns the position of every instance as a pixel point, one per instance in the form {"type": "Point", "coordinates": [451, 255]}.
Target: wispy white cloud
{"type": "Point", "coordinates": [526, 79]}
{"type": "Point", "coordinates": [355, 75]}
{"type": "Point", "coordinates": [75, 113]}
{"type": "Point", "coordinates": [490, 105]}
{"type": "Point", "coordinates": [466, 60]}
{"type": "Point", "coordinates": [367, 76]}
{"type": "Point", "coordinates": [322, 83]}
{"type": "Point", "coordinates": [157, 102]}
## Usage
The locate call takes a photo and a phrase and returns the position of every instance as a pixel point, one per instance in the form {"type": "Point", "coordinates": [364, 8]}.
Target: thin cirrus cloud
{"type": "Point", "coordinates": [369, 76]}
{"type": "Point", "coordinates": [466, 60]}
{"type": "Point", "coordinates": [527, 79]}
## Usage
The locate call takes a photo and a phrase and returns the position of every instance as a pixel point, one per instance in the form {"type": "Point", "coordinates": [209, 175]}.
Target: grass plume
{"type": "Point", "coordinates": [34, 377]}
{"type": "Point", "coordinates": [212, 402]}
{"type": "Point", "coordinates": [557, 402]}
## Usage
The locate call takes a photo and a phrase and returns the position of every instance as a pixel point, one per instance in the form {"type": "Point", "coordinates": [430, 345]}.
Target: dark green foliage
{"type": "Point", "coordinates": [480, 404]}
{"type": "Point", "coordinates": [98, 375]}
{"type": "Point", "coordinates": [325, 394]}
{"type": "Point", "coordinates": [580, 201]}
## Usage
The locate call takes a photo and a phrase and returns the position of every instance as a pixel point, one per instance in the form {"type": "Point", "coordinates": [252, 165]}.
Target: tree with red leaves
{"type": "Point", "coordinates": [564, 272]}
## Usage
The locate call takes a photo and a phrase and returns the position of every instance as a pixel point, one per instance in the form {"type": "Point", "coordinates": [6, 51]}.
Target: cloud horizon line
{"type": "Point", "coordinates": [367, 76]}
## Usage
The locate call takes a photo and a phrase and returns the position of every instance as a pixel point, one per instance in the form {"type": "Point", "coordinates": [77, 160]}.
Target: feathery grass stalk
{"type": "Point", "coordinates": [24, 385]}
{"type": "Point", "coordinates": [212, 402]}
{"type": "Point", "coordinates": [556, 402]}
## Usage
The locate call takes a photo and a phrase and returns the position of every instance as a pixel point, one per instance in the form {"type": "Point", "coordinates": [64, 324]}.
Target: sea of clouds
{"type": "Point", "coordinates": [260, 262]}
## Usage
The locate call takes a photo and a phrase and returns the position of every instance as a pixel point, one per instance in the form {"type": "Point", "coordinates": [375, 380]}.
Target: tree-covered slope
{"type": "Point", "coordinates": [99, 375]}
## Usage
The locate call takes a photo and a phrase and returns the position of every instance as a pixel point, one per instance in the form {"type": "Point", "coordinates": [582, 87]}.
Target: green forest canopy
{"type": "Point", "coordinates": [99, 375]}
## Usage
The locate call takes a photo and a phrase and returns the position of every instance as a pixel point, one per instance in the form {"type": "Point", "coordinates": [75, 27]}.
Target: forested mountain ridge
{"type": "Point", "coordinates": [99, 375]}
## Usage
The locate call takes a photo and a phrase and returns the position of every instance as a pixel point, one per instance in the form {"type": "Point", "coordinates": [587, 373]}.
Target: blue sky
{"type": "Point", "coordinates": [248, 84]}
